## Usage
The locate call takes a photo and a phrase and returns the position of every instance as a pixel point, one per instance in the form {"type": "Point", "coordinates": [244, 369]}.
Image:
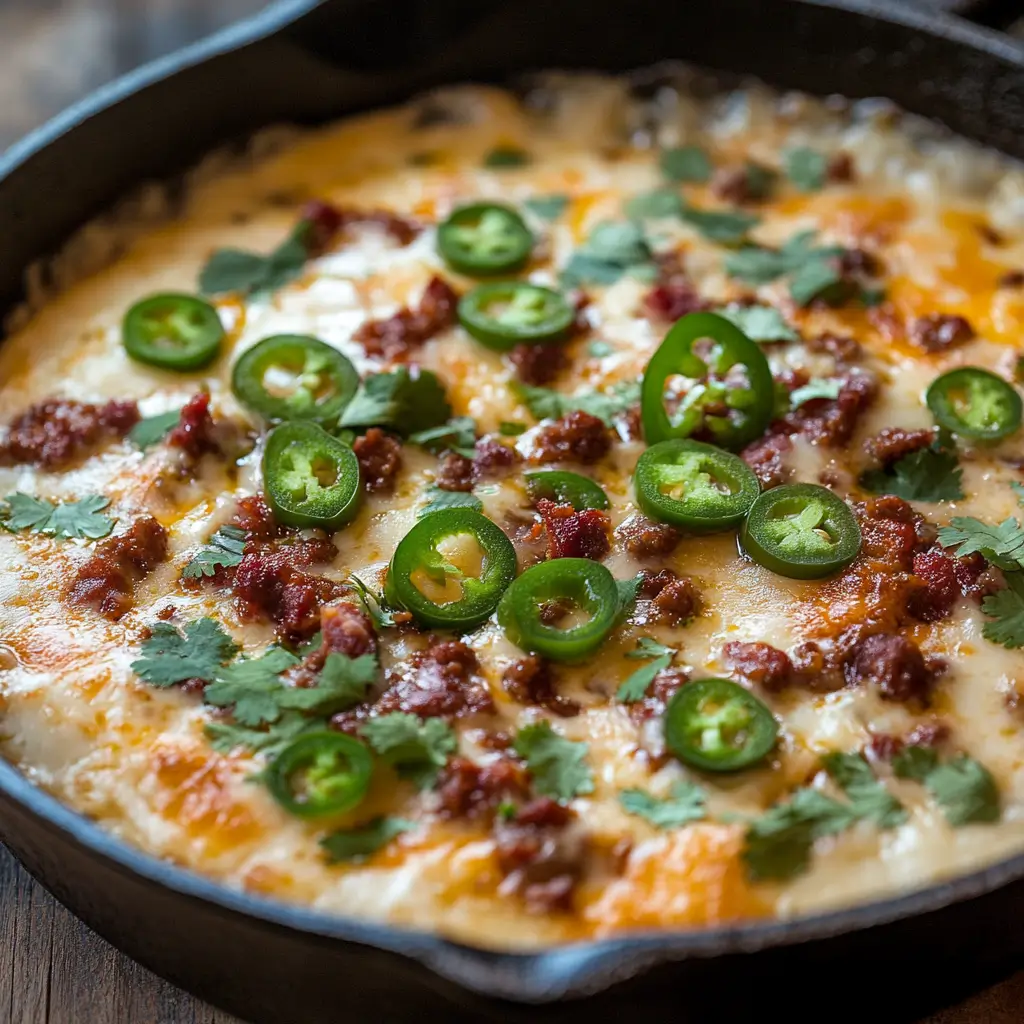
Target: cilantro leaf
{"type": "Point", "coordinates": [506, 156]}
{"type": "Point", "coordinates": [170, 657]}
{"type": "Point", "coordinates": [658, 204]}
{"type": "Point", "coordinates": [965, 790]}
{"type": "Point", "coordinates": [817, 278]}
{"type": "Point", "coordinates": [406, 401]}
{"type": "Point", "coordinates": [252, 687]}
{"type": "Point", "coordinates": [458, 434]}
{"type": "Point", "coordinates": [1003, 545]}
{"type": "Point", "coordinates": [1018, 489]}
{"type": "Point", "coordinates": [915, 762]}
{"type": "Point", "coordinates": [372, 602]}
{"type": "Point", "coordinates": [760, 180]}
{"type": "Point", "coordinates": [70, 520]}
{"type": "Point", "coordinates": [685, 804]}
{"type": "Point", "coordinates": [634, 687]}
{"type": "Point", "coordinates": [869, 799]}
{"type": "Point", "coordinates": [224, 549]}
{"type": "Point", "coordinates": [343, 683]}
{"type": "Point", "coordinates": [612, 250]}
{"type": "Point", "coordinates": [438, 499]}
{"type": "Point", "coordinates": [154, 429]}
{"type": "Point", "coordinates": [627, 591]}
{"type": "Point", "coordinates": [646, 647]}
{"type": "Point", "coordinates": [817, 388]}
{"type": "Point", "coordinates": [806, 168]}
{"type": "Point", "coordinates": [1007, 610]}
{"type": "Point", "coordinates": [417, 749]}
{"type": "Point", "coordinates": [544, 403]}
{"type": "Point", "coordinates": [507, 428]}
{"type": "Point", "coordinates": [814, 268]}
{"type": "Point", "coordinates": [225, 737]}
{"type": "Point", "coordinates": [759, 323]}
{"type": "Point", "coordinates": [931, 474]}
{"type": "Point", "coordinates": [235, 270]}
{"type": "Point", "coordinates": [730, 227]}
{"type": "Point", "coordinates": [778, 844]}
{"type": "Point", "coordinates": [558, 765]}
{"type": "Point", "coordinates": [685, 163]}
{"type": "Point", "coordinates": [356, 844]}
{"type": "Point", "coordinates": [547, 207]}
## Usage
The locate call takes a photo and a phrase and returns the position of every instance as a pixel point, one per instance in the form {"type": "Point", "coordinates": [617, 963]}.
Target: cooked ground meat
{"type": "Point", "coordinates": [394, 338]}
{"type": "Point", "coordinates": [841, 167]}
{"type": "Point", "coordinates": [326, 220]}
{"type": "Point", "coordinates": [892, 664]}
{"type": "Point", "coordinates": [195, 433]}
{"type": "Point", "coordinates": [938, 332]}
{"type": "Point", "coordinates": [890, 530]}
{"type": "Point", "coordinates": [832, 421]}
{"type": "Point", "coordinates": [892, 443]}
{"type": "Point", "coordinates": [886, 746]}
{"type": "Point", "coordinates": [662, 689]}
{"type": "Point", "coordinates": [646, 539]}
{"type": "Point", "coordinates": [454, 472]}
{"type": "Point", "coordinates": [576, 437]}
{"type": "Point", "coordinates": [841, 347]}
{"type": "Point", "coordinates": [255, 516]}
{"type": "Point", "coordinates": [106, 580]}
{"type": "Point", "coordinates": [539, 364]}
{"type": "Point", "coordinates": [492, 457]}
{"type": "Point", "coordinates": [529, 681]}
{"type": "Point", "coordinates": [764, 457]}
{"type": "Point", "coordinates": [761, 664]}
{"type": "Point", "coordinates": [55, 433]}
{"type": "Point", "coordinates": [573, 534]}
{"type": "Point", "coordinates": [673, 294]}
{"type": "Point", "coordinates": [542, 859]}
{"type": "Point", "coordinates": [346, 629]}
{"type": "Point", "coordinates": [380, 459]}
{"type": "Point", "coordinates": [677, 602]}
{"type": "Point", "coordinates": [469, 790]}
{"type": "Point", "coordinates": [945, 579]}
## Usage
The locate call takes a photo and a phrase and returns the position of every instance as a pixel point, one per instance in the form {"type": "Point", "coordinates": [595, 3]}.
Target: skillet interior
{"type": "Point", "coordinates": [280, 963]}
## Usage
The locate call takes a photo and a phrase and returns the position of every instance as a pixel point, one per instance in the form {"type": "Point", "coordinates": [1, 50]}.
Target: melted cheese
{"type": "Point", "coordinates": [79, 723]}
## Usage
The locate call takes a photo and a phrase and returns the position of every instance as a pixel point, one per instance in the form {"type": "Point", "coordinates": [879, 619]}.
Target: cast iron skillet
{"type": "Point", "coordinates": [270, 962]}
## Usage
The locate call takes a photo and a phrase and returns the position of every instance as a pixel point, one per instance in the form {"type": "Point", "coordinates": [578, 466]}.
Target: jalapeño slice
{"type": "Point", "coordinates": [696, 486]}
{"type": "Point", "coordinates": [716, 383]}
{"type": "Point", "coordinates": [509, 313]}
{"type": "Point", "coordinates": [451, 569]}
{"type": "Point", "coordinates": [718, 726]}
{"type": "Point", "coordinates": [309, 477]}
{"type": "Point", "coordinates": [975, 404]}
{"type": "Point", "coordinates": [294, 377]}
{"type": "Point", "coordinates": [562, 609]}
{"type": "Point", "coordinates": [483, 239]}
{"type": "Point", "coordinates": [174, 332]}
{"type": "Point", "coordinates": [802, 531]}
{"type": "Point", "coordinates": [566, 488]}
{"type": "Point", "coordinates": [320, 773]}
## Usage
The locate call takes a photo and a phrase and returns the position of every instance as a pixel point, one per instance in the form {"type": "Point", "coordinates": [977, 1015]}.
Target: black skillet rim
{"type": "Point", "coordinates": [562, 971]}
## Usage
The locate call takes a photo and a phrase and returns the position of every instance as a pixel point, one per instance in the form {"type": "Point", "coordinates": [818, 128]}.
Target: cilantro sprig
{"type": "Point", "coordinates": [962, 787]}
{"type": "Point", "coordinates": [685, 803]}
{"type": "Point", "coordinates": [249, 273]}
{"type": "Point", "coordinates": [406, 401]}
{"type": "Point", "coordinates": [759, 323]}
{"type": "Point", "coordinates": [457, 435]}
{"type": "Point", "coordinates": [1002, 545]}
{"type": "Point", "coordinates": [170, 656]}
{"type": "Point", "coordinates": [356, 844]}
{"type": "Point", "coordinates": [224, 550]}
{"type": "Point", "coordinates": [558, 765]}
{"type": "Point", "coordinates": [69, 520]}
{"type": "Point", "coordinates": [634, 687]}
{"type": "Point", "coordinates": [547, 207]}
{"type": "Point", "coordinates": [813, 270]}
{"type": "Point", "coordinates": [613, 249]}
{"type": "Point", "coordinates": [416, 748]}
{"type": "Point", "coordinates": [1006, 607]}
{"type": "Point", "coordinates": [545, 403]}
{"type": "Point", "coordinates": [806, 168]}
{"type": "Point", "coordinates": [438, 499]}
{"type": "Point", "coordinates": [154, 429]}
{"type": "Point", "coordinates": [931, 474]}
{"type": "Point", "coordinates": [685, 163]}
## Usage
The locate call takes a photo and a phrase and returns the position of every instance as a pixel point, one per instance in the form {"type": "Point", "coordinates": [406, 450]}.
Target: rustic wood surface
{"type": "Point", "coordinates": [53, 969]}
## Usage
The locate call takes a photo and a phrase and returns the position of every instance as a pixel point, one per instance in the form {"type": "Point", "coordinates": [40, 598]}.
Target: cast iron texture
{"type": "Point", "coordinates": [275, 963]}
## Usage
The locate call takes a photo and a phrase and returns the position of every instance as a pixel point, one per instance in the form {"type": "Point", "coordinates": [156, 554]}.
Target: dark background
{"type": "Point", "coordinates": [54, 970]}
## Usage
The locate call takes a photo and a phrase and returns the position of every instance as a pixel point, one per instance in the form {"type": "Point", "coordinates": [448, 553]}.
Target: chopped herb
{"type": "Point", "coordinates": [253, 687]}
{"type": "Point", "coordinates": [871, 297]}
{"type": "Point", "coordinates": [228, 736]}
{"type": "Point", "coordinates": [383, 617]}
{"type": "Point", "coordinates": [686, 804]}
{"type": "Point", "coordinates": [343, 683]}
{"type": "Point", "coordinates": [154, 429]}
{"type": "Point", "coordinates": [628, 590]}
{"type": "Point", "coordinates": [817, 388]}
{"type": "Point", "coordinates": [356, 844]}
{"type": "Point", "coordinates": [403, 400]}
{"type": "Point", "coordinates": [646, 647]}
{"type": "Point", "coordinates": [685, 163]}
{"type": "Point", "coordinates": [69, 520]}
{"type": "Point", "coordinates": [415, 748]}
{"type": "Point", "coordinates": [806, 168]}
{"type": "Point", "coordinates": [507, 428]}
{"type": "Point", "coordinates": [963, 787]}
{"type": "Point", "coordinates": [1018, 489]}
{"type": "Point", "coordinates": [170, 657]}
{"type": "Point", "coordinates": [759, 323]}
{"type": "Point", "coordinates": [458, 434]}
{"type": "Point", "coordinates": [817, 279]}
{"type": "Point", "coordinates": [760, 180]}
{"type": "Point", "coordinates": [931, 474]}
{"type": "Point", "coordinates": [868, 797]}
{"type": "Point", "coordinates": [729, 227]}
{"type": "Point", "coordinates": [659, 204]}
{"type": "Point", "coordinates": [1003, 545]}
{"type": "Point", "coordinates": [224, 549]}
{"type": "Point", "coordinates": [599, 349]}
{"type": "Point", "coordinates": [558, 765]}
{"type": "Point", "coordinates": [1007, 610]}
{"type": "Point", "coordinates": [544, 403]}
{"type": "Point", "coordinates": [814, 269]}
{"type": "Point", "coordinates": [438, 499]}
{"type": "Point", "coordinates": [634, 688]}
{"type": "Point", "coordinates": [235, 270]}
{"type": "Point", "coordinates": [547, 207]}
{"type": "Point", "coordinates": [613, 249]}
{"type": "Point", "coordinates": [506, 156]}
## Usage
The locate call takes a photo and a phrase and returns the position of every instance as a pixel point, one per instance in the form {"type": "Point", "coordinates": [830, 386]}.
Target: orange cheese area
{"type": "Point", "coordinates": [938, 223]}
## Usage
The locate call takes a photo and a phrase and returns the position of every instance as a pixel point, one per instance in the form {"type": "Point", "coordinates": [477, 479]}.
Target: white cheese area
{"type": "Point", "coordinates": [77, 721]}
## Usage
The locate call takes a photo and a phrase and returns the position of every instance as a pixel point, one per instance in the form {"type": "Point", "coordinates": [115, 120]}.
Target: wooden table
{"type": "Point", "coordinates": [54, 969]}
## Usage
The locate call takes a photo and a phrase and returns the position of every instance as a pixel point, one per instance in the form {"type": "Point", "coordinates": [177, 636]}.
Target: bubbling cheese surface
{"type": "Point", "coordinates": [78, 722]}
